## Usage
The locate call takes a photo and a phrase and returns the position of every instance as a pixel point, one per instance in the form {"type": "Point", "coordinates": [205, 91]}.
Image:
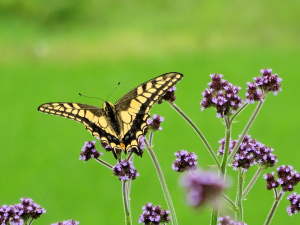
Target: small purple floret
{"type": "Point", "coordinates": [295, 204]}
{"type": "Point", "coordinates": [221, 95]}
{"type": "Point", "coordinates": [154, 124]}
{"type": "Point", "coordinates": [125, 170]}
{"type": "Point", "coordinates": [67, 222]}
{"type": "Point", "coordinates": [225, 220]}
{"type": "Point", "coordinates": [249, 153]}
{"type": "Point", "coordinates": [18, 213]}
{"type": "Point", "coordinates": [154, 215]}
{"type": "Point", "coordinates": [185, 161]}
{"type": "Point", "coordinates": [89, 151]}
{"type": "Point", "coordinates": [257, 90]}
{"type": "Point", "coordinates": [287, 178]}
{"type": "Point", "coordinates": [169, 96]}
{"type": "Point", "coordinates": [142, 142]}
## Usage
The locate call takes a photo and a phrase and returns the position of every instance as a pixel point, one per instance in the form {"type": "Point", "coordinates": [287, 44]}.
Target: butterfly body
{"type": "Point", "coordinates": [118, 125]}
{"type": "Point", "coordinates": [113, 116]}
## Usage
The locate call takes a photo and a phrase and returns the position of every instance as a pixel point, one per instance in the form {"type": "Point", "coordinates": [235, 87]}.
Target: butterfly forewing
{"type": "Point", "coordinates": [94, 118]}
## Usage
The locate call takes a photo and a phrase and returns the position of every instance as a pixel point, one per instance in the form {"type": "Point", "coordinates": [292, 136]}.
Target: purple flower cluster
{"type": "Point", "coordinates": [203, 187]}
{"type": "Point", "coordinates": [222, 147]}
{"type": "Point", "coordinates": [125, 170]}
{"type": "Point", "coordinates": [271, 182]}
{"type": "Point", "coordinates": [185, 161]}
{"type": "Point", "coordinates": [287, 178]}
{"type": "Point", "coordinates": [10, 214]}
{"type": "Point", "coordinates": [67, 222]}
{"type": "Point", "coordinates": [89, 151]}
{"type": "Point", "coordinates": [169, 96]}
{"type": "Point", "coordinates": [295, 204]}
{"type": "Point", "coordinates": [262, 85]}
{"type": "Point", "coordinates": [18, 213]}
{"type": "Point", "coordinates": [221, 95]}
{"type": "Point", "coordinates": [154, 124]}
{"type": "Point", "coordinates": [249, 153]}
{"type": "Point", "coordinates": [225, 220]}
{"type": "Point", "coordinates": [154, 215]}
{"type": "Point", "coordinates": [28, 208]}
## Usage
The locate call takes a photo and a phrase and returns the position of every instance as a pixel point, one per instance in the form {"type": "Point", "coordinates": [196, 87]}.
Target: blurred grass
{"type": "Point", "coordinates": [50, 51]}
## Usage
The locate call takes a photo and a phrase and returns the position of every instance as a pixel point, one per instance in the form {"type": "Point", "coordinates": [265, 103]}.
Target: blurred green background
{"type": "Point", "coordinates": [51, 50]}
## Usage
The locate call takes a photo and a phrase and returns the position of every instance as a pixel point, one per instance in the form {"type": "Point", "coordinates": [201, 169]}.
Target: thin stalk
{"type": "Point", "coordinates": [128, 183]}
{"type": "Point", "coordinates": [226, 121]}
{"type": "Point", "coordinates": [246, 129]}
{"type": "Point", "coordinates": [238, 112]}
{"type": "Point", "coordinates": [128, 186]}
{"type": "Point", "coordinates": [230, 202]}
{"type": "Point", "coordinates": [31, 221]}
{"type": "Point", "coordinates": [239, 195]}
{"type": "Point", "coordinates": [214, 217]}
{"type": "Point", "coordinates": [162, 183]}
{"type": "Point", "coordinates": [213, 155]}
{"type": "Point", "coordinates": [104, 163]}
{"type": "Point", "coordinates": [215, 212]}
{"type": "Point", "coordinates": [151, 139]}
{"type": "Point", "coordinates": [126, 204]}
{"type": "Point", "coordinates": [275, 193]}
{"type": "Point", "coordinates": [252, 182]}
{"type": "Point", "coordinates": [226, 147]}
{"type": "Point", "coordinates": [274, 207]}
{"type": "Point", "coordinates": [130, 156]}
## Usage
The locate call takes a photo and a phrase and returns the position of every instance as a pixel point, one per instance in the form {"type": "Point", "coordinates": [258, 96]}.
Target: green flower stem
{"type": "Point", "coordinates": [215, 212]}
{"type": "Point", "coordinates": [246, 129]}
{"type": "Point", "coordinates": [274, 207]}
{"type": "Point", "coordinates": [151, 138]}
{"type": "Point", "coordinates": [213, 155]}
{"type": "Point", "coordinates": [162, 182]}
{"type": "Point", "coordinates": [238, 112]}
{"type": "Point", "coordinates": [252, 182]}
{"type": "Point", "coordinates": [126, 203]}
{"type": "Point", "coordinates": [104, 163]}
{"type": "Point", "coordinates": [226, 147]}
{"type": "Point", "coordinates": [275, 192]}
{"type": "Point", "coordinates": [239, 195]}
{"type": "Point", "coordinates": [31, 221]}
{"type": "Point", "coordinates": [230, 202]}
{"type": "Point", "coordinates": [128, 187]}
{"type": "Point", "coordinates": [214, 217]}
{"type": "Point", "coordinates": [128, 183]}
{"type": "Point", "coordinates": [130, 156]}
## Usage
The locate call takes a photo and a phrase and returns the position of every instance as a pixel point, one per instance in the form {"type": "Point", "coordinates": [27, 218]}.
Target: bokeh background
{"type": "Point", "coordinates": [51, 50]}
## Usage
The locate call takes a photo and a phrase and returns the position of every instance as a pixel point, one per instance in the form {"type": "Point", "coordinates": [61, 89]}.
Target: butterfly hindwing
{"type": "Point", "coordinates": [134, 107]}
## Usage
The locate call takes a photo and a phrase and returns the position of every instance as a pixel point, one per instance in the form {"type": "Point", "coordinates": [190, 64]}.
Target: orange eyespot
{"type": "Point", "coordinates": [122, 145]}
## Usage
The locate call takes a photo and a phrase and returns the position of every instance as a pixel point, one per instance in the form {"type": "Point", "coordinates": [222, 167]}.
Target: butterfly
{"type": "Point", "coordinates": [121, 125]}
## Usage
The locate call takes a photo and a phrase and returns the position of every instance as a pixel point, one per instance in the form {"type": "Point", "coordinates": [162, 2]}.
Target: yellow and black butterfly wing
{"type": "Point", "coordinates": [133, 108]}
{"type": "Point", "coordinates": [94, 118]}
{"type": "Point", "coordinates": [131, 112]}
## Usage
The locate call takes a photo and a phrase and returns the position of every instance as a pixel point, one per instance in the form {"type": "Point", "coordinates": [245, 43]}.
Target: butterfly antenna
{"type": "Point", "coordinates": [91, 97]}
{"type": "Point", "coordinates": [113, 90]}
